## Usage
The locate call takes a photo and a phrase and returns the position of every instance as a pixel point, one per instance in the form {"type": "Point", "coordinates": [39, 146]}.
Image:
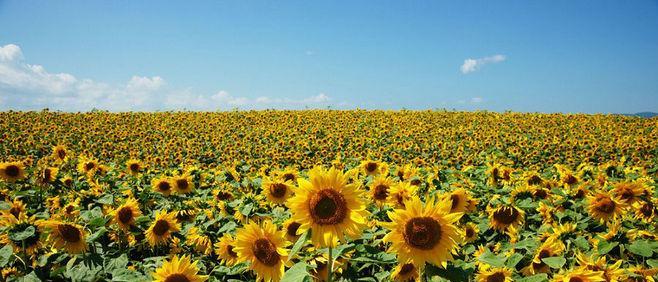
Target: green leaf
{"type": "Point", "coordinates": [581, 243]}
{"type": "Point", "coordinates": [101, 231]}
{"type": "Point", "coordinates": [5, 255]}
{"type": "Point", "coordinates": [20, 236]}
{"type": "Point", "coordinates": [513, 260]}
{"type": "Point", "coordinates": [653, 263]}
{"type": "Point", "coordinates": [527, 244]}
{"type": "Point", "coordinates": [296, 273]}
{"type": "Point", "coordinates": [605, 247]}
{"type": "Point", "coordinates": [106, 199]}
{"type": "Point", "coordinates": [227, 227]}
{"type": "Point", "coordinates": [299, 244]}
{"type": "Point", "coordinates": [554, 262]}
{"type": "Point", "coordinates": [535, 278]}
{"type": "Point", "coordinates": [5, 206]}
{"type": "Point", "coordinates": [640, 247]}
{"type": "Point", "coordinates": [491, 259]}
{"type": "Point", "coordinates": [246, 209]}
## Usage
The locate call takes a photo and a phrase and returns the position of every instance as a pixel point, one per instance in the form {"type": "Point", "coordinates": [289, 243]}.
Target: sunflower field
{"type": "Point", "coordinates": [325, 195]}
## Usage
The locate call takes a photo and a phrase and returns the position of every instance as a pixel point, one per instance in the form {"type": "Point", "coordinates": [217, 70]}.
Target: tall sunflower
{"type": "Point", "coordinates": [162, 227]}
{"type": "Point", "coordinates": [370, 167]}
{"type": "Point", "coordinates": [65, 236]}
{"type": "Point", "coordinates": [264, 248]}
{"type": "Point", "coordinates": [329, 206]}
{"type": "Point", "coordinates": [134, 167]}
{"type": "Point", "coordinates": [505, 217]}
{"type": "Point", "coordinates": [125, 215]}
{"type": "Point", "coordinates": [423, 234]}
{"type": "Point", "coordinates": [276, 191]}
{"type": "Point", "coordinates": [60, 154]}
{"type": "Point", "coordinates": [459, 199]}
{"type": "Point", "coordinates": [178, 269]}
{"type": "Point", "coordinates": [225, 250]}
{"type": "Point", "coordinates": [604, 207]}
{"type": "Point", "coordinates": [380, 189]}
{"type": "Point", "coordinates": [12, 171]}
{"type": "Point", "coordinates": [183, 184]}
{"type": "Point", "coordinates": [163, 185]}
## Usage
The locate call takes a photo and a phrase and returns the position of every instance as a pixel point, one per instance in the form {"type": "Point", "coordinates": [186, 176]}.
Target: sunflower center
{"type": "Point", "coordinates": [231, 252]}
{"type": "Point", "coordinates": [455, 202]}
{"type": "Point", "coordinates": [265, 252]}
{"type": "Point", "coordinates": [12, 170]}
{"type": "Point", "coordinates": [627, 194]}
{"type": "Point", "coordinates": [576, 279]}
{"type": "Point", "coordinates": [291, 229]}
{"type": "Point", "coordinates": [371, 167]}
{"type": "Point", "coordinates": [134, 167]}
{"type": "Point", "coordinates": [89, 166]}
{"type": "Point", "coordinates": [69, 233]}
{"type": "Point", "coordinates": [496, 277]}
{"type": "Point", "coordinates": [534, 180]}
{"type": "Point", "coordinates": [125, 215]}
{"type": "Point", "coordinates": [278, 190]}
{"type": "Point", "coordinates": [606, 205]}
{"type": "Point", "coordinates": [415, 182]}
{"type": "Point", "coordinates": [15, 211]}
{"type": "Point", "coordinates": [328, 207]}
{"type": "Point", "coordinates": [470, 232]}
{"type": "Point", "coordinates": [401, 175]}
{"type": "Point", "coordinates": [164, 186]}
{"type": "Point", "coordinates": [46, 174]}
{"type": "Point", "coordinates": [506, 215]}
{"type": "Point", "coordinates": [570, 179]}
{"type": "Point", "coordinates": [580, 194]}
{"type": "Point", "coordinates": [647, 209]}
{"type": "Point", "coordinates": [61, 154]}
{"type": "Point", "coordinates": [544, 254]}
{"type": "Point", "coordinates": [161, 227]}
{"type": "Point", "coordinates": [221, 195]}
{"type": "Point", "coordinates": [288, 176]}
{"type": "Point", "coordinates": [177, 277]}
{"type": "Point", "coordinates": [381, 192]}
{"type": "Point", "coordinates": [182, 184]}
{"type": "Point", "coordinates": [406, 268]}
{"type": "Point", "coordinates": [540, 193]}
{"type": "Point", "coordinates": [422, 232]}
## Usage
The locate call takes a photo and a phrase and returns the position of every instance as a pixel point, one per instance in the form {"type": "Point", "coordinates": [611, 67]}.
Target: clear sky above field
{"type": "Point", "coordinates": [549, 56]}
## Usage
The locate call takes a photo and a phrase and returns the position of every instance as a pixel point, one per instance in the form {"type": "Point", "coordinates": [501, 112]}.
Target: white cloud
{"type": "Point", "coordinates": [471, 65]}
{"type": "Point", "coordinates": [29, 87]}
{"type": "Point", "coordinates": [477, 100]}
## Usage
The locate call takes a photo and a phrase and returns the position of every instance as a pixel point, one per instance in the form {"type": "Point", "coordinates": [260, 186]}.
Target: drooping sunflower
{"type": "Point", "coordinates": [264, 248]}
{"type": "Point", "coordinates": [611, 272]}
{"type": "Point", "coordinates": [163, 185]}
{"type": "Point", "coordinates": [421, 234]}
{"type": "Point", "coordinates": [224, 249]}
{"type": "Point", "coordinates": [505, 217]}
{"type": "Point", "coordinates": [199, 241]}
{"type": "Point", "coordinates": [401, 193]}
{"type": "Point", "coordinates": [405, 272]}
{"type": "Point", "coordinates": [183, 184]}
{"type": "Point", "coordinates": [178, 269]}
{"type": "Point", "coordinates": [276, 191]}
{"type": "Point", "coordinates": [329, 206]}
{"type": "Point", "coordinates": [12, 171]}
{"type": "Point", "coordinates": [498, 274]}
{"type": "Point", "coordinates": [64, 235]}
{"type": "Point", "coordinates": [134, 167]}
{"type": "Point", "coordinates": [125, 215]}
{"type": "Point", "coordinates": [380, 189]}
{"type": "Point", "coordinates": [162, 227]}
{"type": "Point", "coordinates": [579, 275]}
{"type": "Point", "coordinates": [604, 207]}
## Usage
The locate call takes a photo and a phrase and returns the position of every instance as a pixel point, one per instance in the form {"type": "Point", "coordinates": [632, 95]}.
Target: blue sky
{"type": "Point", "coordinates": [549, 56]}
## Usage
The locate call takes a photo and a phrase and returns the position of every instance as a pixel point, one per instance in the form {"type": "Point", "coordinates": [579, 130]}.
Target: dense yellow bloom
{"type": "Point", "coordinates": [12, 171]}
{"type": "Point", "coordinates": [264, 248]}
{"type": "Point", "coordinates": [162, 227]}
{"type": "Point", "coordinates": [65, 236]}
{"type": "Point", "coordinates": [178, 269]}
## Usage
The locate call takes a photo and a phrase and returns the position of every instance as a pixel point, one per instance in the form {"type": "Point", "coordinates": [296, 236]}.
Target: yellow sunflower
{"type": "Point", "coordinates": [178, 270]}
{"type": "Point", "coordinates": [505, 217]}
{"type": "Point", "coordinates": [224, 249]}
{"type": "Point", "coordinates": [423, 234]}
{"type": "Point", "coordinates": [380, 189]}
{"type": "Point", "coordinates": [401, 193]}
{"type": "Point", "coordinates": [199, 241]}
{"type": "Point", "coordinates": [29, 245]}
{"type": "Point", "coordinates": [134, 167]}
{"type": "Point", "coordinates": [471, 232]}
{"type": "Point", "coordinates": [162, 227]}
{"type": "Point", "coordinates": [628, 192]}
{"type": "Point", "coordinates": [12, 171]}
{"type": "Point", "coordinates": [65, 236]}
{"type": "Point", "coordinates": [579, 275]}
{"type": "Point", "coordinates": [459, 200]}
{"type": "Point", "coordinates": [291, 227]}
{"type": "Point", "coordinates": [488, 274]}
{"type": "Point", "coordinates": [163, 185]}
{"type": "Point", "coordinates": [125, 215]}
{"type": "Point", "coordinates": [549, 248]}
{"type": "Point", "coordinates": [276, 191]}
{"type": "Point", "coordinates": [604, 207]}
{"type": "Point", "coordinates": [48, 175]}
{"type": "Point", "coordinates": [87, 165]}
{"type": "Point", "coordinates": [329, 206]}
{"type": "Point", "coordinates": [370, 167]}
{"type": "Point", "coordinates": [645, 210]}
{"type": "Point", "coordinates": [60, 154]}
{"type": "Point", "coordinates": [264, 248]}
{"type": "Point", "coordinates": [183, 184]}
{"type": "Point", "coordinates": [405, 272]}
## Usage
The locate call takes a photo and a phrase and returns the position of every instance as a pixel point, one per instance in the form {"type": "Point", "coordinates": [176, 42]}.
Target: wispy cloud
{"type": "Point", "coordinates": [27, 86]}
{"type": "Point", "coordinates": [471, 65]}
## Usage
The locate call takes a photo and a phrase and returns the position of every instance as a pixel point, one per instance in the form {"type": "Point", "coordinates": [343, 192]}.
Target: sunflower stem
{"type": "Point", "coordinates": [330, 267]}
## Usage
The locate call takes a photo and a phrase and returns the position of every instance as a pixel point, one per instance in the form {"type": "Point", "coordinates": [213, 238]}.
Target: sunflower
{"type": "Point", "coordinates": [645, 210]}
{"type": "Point", "coordinates": [29, 245]}
{"type": "Point", "coordinates": [264, 248]}
{"type": "Point", "coordinates": [401, 193]}
{"type": "Point", "coordinates": [380, 189]}
{"type": "Point", "coordinates": [162, 227]}
{"type": "Point", "coordinates": [328, 206]}
{"type": "Point", "coordinates": [178, 270]}
{"type": "Point", "coordinates": [505, 217]}
{"type": "Point", "coordinates": [550, 248]}
{"type": "Point", "coordinates": [579, 275]}
{"type": "Point", "coordinates": [48, 175]}
{"type": "Point", "coordinates": [87, 166]}
{"type": "Point", "coordinates": [471, 232]}
{"type": "Point", "coordinates": [611, 272]}
{"type": "Point", "coordinates": [276, 191]}
{"type": "Point", "coordinates": [224, 249]}
{"type": "Point", "coordinates": [162, 185]}
{"type": "Point", "coordinates": [488, 274]}
{"type": "Point", "coordinates": [183, 184]}
{"type": "Point", "coordinates": [60, 154]}
{"type": "Point", "coordinates": [199, 241]}
{"type": "Point", "coordinates": [17, 209]}
{"type": "Point", "coordinates": [628, 192]}
{"type": "Point", "coordinates": [12, 171]}
{"type": "Point", "coordinates": [125, 215]}
{"type": "Point", "coordinates": [459, 200]}
{"type": "Point", "coordinates": [288, 174]}
{"type": "Point", "coordinates": [134, 167]}
{"type": "Point", "coordinates": [291, 228]}
{"type": "Point", "coordinates": [65, 235]}
{"type": "Point", "coordinates": [604, 207]}
{"type": "Point", "coordinates": [423, 234]}
{"type": "Point", "coordinates": [405, 272]}
{"type": "Point", "coordinates": [370, 167]}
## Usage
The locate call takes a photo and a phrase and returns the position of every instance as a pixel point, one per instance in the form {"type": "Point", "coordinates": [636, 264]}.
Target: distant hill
{"type": "Point", "coordinates": [643, 114]}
